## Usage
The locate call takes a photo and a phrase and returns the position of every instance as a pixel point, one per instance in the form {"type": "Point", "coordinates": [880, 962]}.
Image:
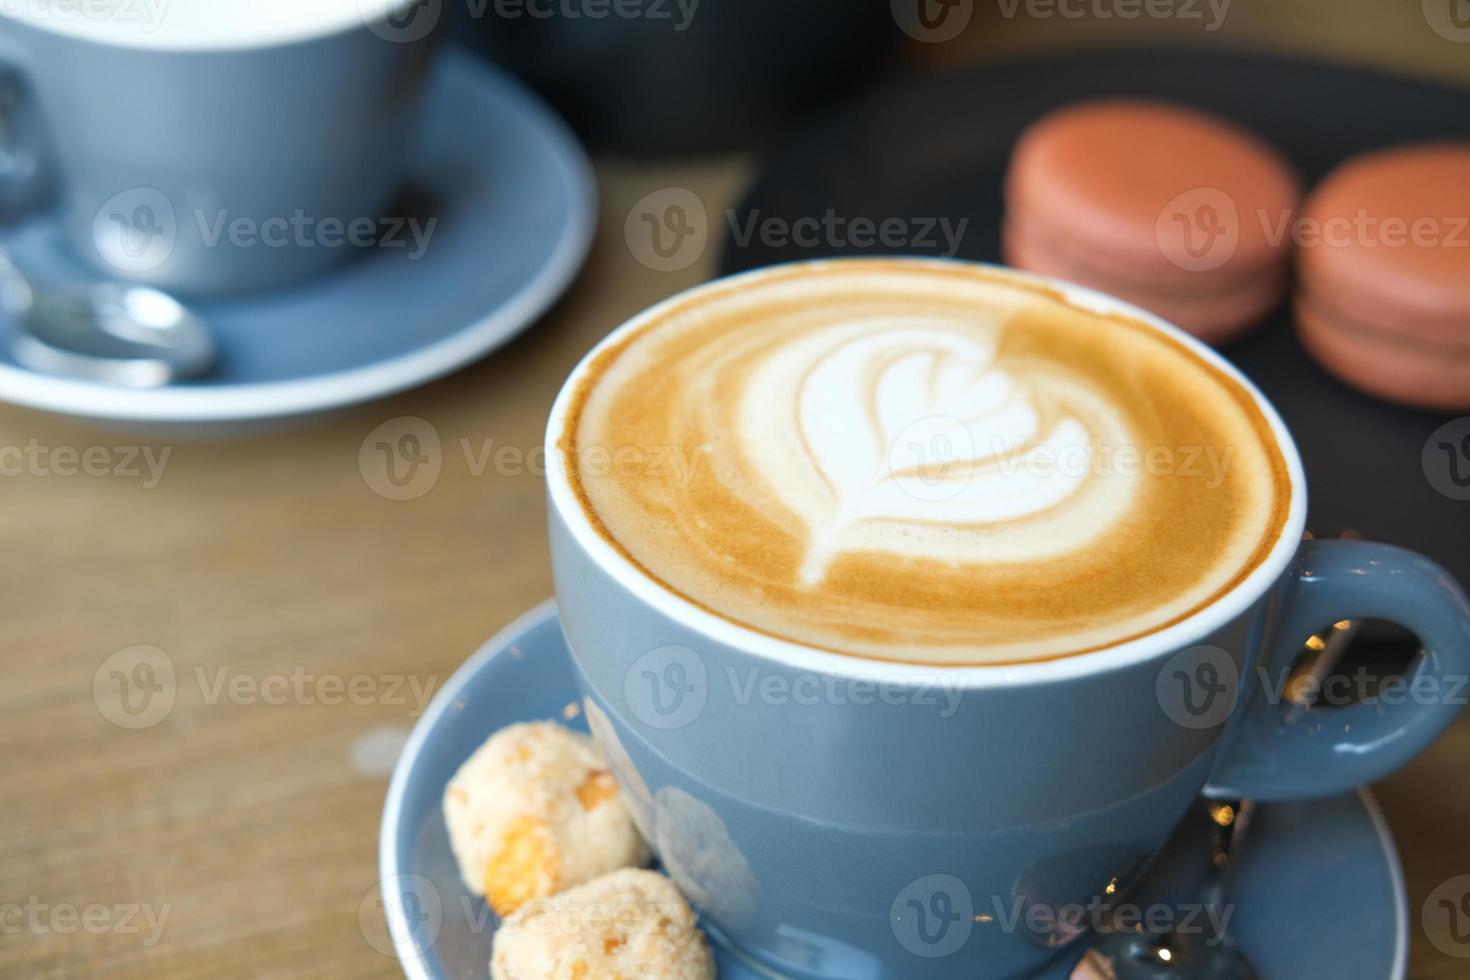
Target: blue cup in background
{"type": "Point", "coordinates": [220, 161]}
{"type": "Point", "coordinates": [839, 818]}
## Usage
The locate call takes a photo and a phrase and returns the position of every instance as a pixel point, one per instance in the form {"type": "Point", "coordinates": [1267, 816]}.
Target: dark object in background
{"type": "Point", "coordinates": [684, 76]}
{"type": "Point", "coordinates": [932, 152]}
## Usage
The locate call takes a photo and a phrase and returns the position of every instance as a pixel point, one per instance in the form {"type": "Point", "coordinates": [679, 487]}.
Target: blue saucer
{"type": "Point", "coordinates": [1317, 888]}
{"type": "Point", "coordinates": [516, 205]}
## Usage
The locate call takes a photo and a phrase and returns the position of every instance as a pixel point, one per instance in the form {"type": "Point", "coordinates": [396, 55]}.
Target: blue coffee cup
{"type": "Point", "coordinates": [839, 817]}
{"type": "Point", "coordinates": [211, 148]}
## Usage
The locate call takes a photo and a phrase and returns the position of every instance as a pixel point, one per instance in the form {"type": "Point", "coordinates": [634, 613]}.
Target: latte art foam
{"type": "Point", "coordinates": [905, 436]}
{"type": "Point", "coordinates": [924, 462]}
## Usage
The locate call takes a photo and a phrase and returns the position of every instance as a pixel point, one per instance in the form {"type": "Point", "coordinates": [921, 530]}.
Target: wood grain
{"type": "Point", "coordinates": [271, 556]}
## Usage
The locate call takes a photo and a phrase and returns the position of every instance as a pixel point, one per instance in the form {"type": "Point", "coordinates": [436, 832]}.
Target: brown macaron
{"type": "Point", "coordinates": [1383, 282]}
{"type": "Point", "coordinates": [1175, 210]}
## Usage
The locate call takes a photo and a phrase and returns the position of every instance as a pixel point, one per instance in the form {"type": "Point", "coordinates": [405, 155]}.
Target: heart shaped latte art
{"type": "Point", "coordinates": [911, 437]}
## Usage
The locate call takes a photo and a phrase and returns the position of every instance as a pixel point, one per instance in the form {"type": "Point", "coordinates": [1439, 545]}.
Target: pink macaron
{"type": "Point", "coordinates": [1178, 211]}
{"type": "Point", "coordinates": [1383, 274]}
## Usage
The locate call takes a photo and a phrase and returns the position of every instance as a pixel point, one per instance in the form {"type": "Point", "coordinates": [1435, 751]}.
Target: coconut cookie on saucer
{"type": "Point", "coordinates": [534, 811]}
{"type": "Point", "coordinates": [625, 925]}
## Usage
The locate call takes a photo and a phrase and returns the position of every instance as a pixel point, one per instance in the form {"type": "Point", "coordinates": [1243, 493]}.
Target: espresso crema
{"type": "Point", "coordinates": [923, 462]}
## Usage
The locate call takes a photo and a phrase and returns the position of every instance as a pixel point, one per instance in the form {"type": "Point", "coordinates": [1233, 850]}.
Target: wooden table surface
{"type": "Point", "coordinates": [304, 615]}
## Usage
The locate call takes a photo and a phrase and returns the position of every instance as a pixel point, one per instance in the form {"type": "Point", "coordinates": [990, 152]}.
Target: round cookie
{"type": "Point", "coordinates": [1170, 208]}
{"type": "Point", "coordinates": [630, 923]}
{"type": "Point", "coordinates": [1383, 289]}
{"type": "Point", "coordinates": [534, 811]}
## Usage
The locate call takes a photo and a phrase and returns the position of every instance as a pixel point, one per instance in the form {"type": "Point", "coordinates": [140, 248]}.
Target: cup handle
{"type": "Point", "coordinates": [24, 179]}
{"type": "Point", "coordinates": [1280, 751]}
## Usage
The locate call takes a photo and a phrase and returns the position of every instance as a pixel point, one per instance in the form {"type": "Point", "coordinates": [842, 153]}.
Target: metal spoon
{"type": "Point", "coordinates": [112, 332]}
{"type": "Point", "coordinates": [1181, 954]}
{"type": "Point", "coordinates": [1174, 956]}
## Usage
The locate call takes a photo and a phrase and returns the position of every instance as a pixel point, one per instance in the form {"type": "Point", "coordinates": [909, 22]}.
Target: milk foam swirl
{"type": "Point", "coordinates": [877, 432]}
{"type": "Point", "coordinates": [918, 461]}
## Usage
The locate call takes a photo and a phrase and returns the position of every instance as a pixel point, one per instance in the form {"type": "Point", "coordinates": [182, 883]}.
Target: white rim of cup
{"type": "Point", "coordinates": [1169, 640]}
{"type": "Point", "coordinates": [67, 27]}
